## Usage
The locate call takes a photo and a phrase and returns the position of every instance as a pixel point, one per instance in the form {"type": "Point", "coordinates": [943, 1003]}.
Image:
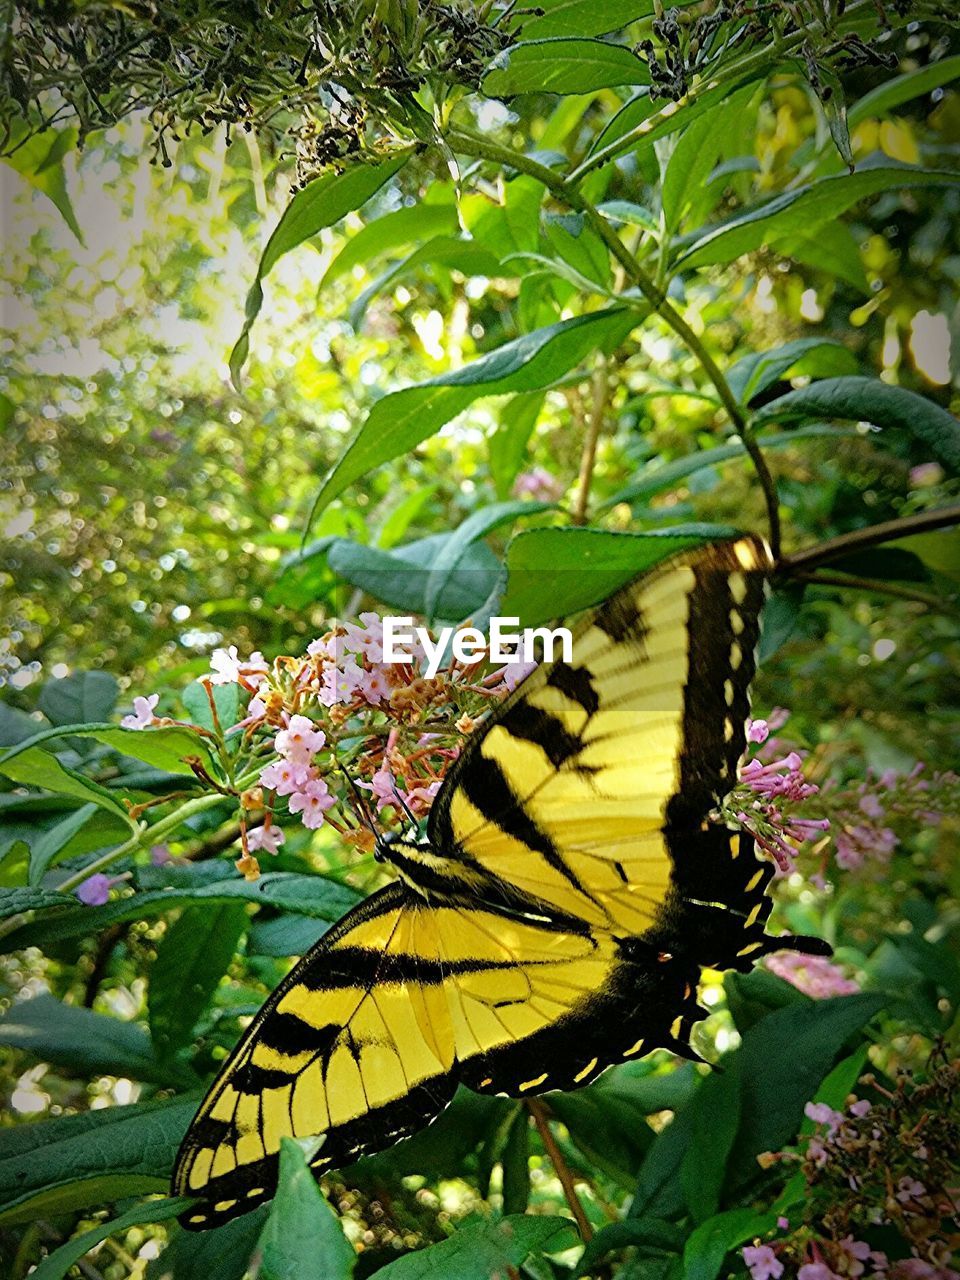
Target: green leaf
{"type": "Point", "coordinates": [754, 995]}
{"type": "Point", "coordinates": [479, 1249]}
{"type": "Point", "coordinates": [165, 748]}
{"type": "Point", "coordinates": [809, 1035]}
{"type": "Point", "coordinates": [15, 725]}
{"type": "Point", "coordinates": [305, 895]}
{"type": "Point", "coordinates": [399, 422]}
{"type": "Point", "coordinates": [582, 17]}
{"type": "Point", "coordinates": [302, 1236]}
{"type": "Point", "coordinates": [58, 1166]}
{"type": "Point", "coordinates": [759, 370]}
{"type": "Point", "coordinates": [508, 444]}
{"type": "Point", "coordinates": [562, 65]}
{"type": "Point", "coordinates": [832, 250]}
{"type": "Point", "coordinates": [193, 956]}
{"type": "Point", "coordinates": [403, 515]}
{"type": "Point", "coordinates": [515, 1162]}
{"type": "Point", "coordinates": [222, 1253]}
{"type": "Point", "coordinates": [556, 572]}
{"type": "Point", "coordinates": [901, 89]}
{"type": "Point", "coordinates": [226, 698]}
{"type": "Point", "coordinates": [452, 550]}
{"type": "Point", "coordinates": [870, 400]}
{"type": "Point", "coordinates": [780, 616]}
{"type": "Point", "coordinates": [651, 1237]}
{"type": "Point", "coordinates": [688, 191]}
{"type": "Point", "coordinates": [715, 1117]}
{"type": "Point", "coordinates": [802, 210]}
{"type": "Point", "coordinates": [56, 1266]}
{"type": "Point", "coordinates": [40, 162]}
{"type": "Point", "coordinates": [399, 577]}
{"type": "Point", "coordinates": [708, 1246]}
{"type": "Point", "coordinates": [404, 226]}
{"type": "Point", "coordinates": [44, 852]}
{"type": "Point", "coordinates": [467, 256]}
{"type": "Point", "coordinates": [84, 1042]}
{"type": "Point", "coordinates": [669, 474]}
{"type": "Point", "coordinates": [14, 901]}
{"type": "Point", "coordinates": [636, 215]}
{"type": "Point", "coordinates": [319, 204]}
{"type": "Point", "coordinates": [580, 247]}
{"type": "Point", "coordinates": [79, 699]}
{"type": "Point", "coordinates": [31, 766]}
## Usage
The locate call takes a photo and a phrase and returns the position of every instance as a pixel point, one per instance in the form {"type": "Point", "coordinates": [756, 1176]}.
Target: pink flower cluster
{"type": "Point", "coordinates": [815, 976]}
{"type": "Point", "coordinates": [539, 484]}
{"type": "Point", "coordinates": [763, 797]}
{"type": "Point", "coordinates": [352, 664]}
{"type": "Point", "coordinates": [295, 775]}
{"type": "Point", "coordinates": [883, 798]}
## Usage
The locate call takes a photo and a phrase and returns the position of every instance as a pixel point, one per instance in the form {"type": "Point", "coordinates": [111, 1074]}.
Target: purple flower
{"type": "Point", "coordinates": [816, 1271]}
{"type": "Point", "coordinates": [815, 976]}
{"type": "Point", "coordinates": [538, 484]}
{"type": "Point", "coordinates": [268, 838]}
{"type": "Point", "coordinates": [160, 855]}
{"type": "Point", "coordinates": [142, 713]}
{"type": "Point", "coordinates": [763, 1262]}
{"type": "Point", "coordinates": [95, 890]}
{"type": "Point", "coordinates": [757, 731]}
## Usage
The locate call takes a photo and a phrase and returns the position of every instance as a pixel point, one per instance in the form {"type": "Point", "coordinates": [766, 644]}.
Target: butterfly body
{"type": "Point", "coordinates": [557, 916]}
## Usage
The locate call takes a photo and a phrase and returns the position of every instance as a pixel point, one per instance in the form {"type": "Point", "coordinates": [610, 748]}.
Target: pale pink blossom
{"type": "Point", "coordinates": [757, 731]}
{"type": "Point", "coordinates": [861, 1107]}
{"type": "Point", "coordinates": [256, 710]}
{"type": "Point", "coordinates": [340, 683]}
{"type": "Point", "coordinates": [284, 777]}
{"type": "Point", "coordinates": [300, 740]}
{"type": "Point", "coordinates": [142, 713]}
{"type": "Point", "coordinates": [227, 667]}
{"type": "Point", "coordinates": [268, 838]}
{"type": "Point", "coordinates": [858, 1252]}
{"type": "Point", "coordinates": [815, 976]}
{"type": "Point", "coordinates": [419, 799]}
{"type": "Point", "coordinates": [160, 855]}
{"type": "Point", "coordinates": [910, 1189]}
{"type": "Point", "coordinates": [816, 1271]}
{"type": "Point", "coordinates": [515, 671]}
{"type": "Point", "coordinates": [384, 787]}
{"type": "Point", "coordinates": [762, 1262]}
{"type": "Point", "coordinates": [538, 484]}
{"type": "Point", "coordinates": [871, 806]}
{"type": "Point", "coordinates": [366, 639]}
{"type": "Point", "coordinates": [374, 685]}
{"type": "Point", "coordinates": [312, 803]}
{"type": "Point", "coordinates": [322, 648]}
{"type": "Point", "coordinates": [820, 1113]}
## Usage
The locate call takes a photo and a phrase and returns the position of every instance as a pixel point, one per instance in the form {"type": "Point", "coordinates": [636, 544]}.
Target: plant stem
{"type": "Point", "coordinates": [888, 531]}
{"type": "Point", "coordinates": [538, 1111]}
{"type": "Point", "coordinates": [589, 456]}
{"type": "Point", "coordinates": [878, 585]}
{"type": "Point", "coordinates": [563, 188]}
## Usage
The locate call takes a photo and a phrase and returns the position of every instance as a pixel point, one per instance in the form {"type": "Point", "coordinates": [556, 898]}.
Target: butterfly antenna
{"type": "Point", "coordinates": [407, 810]}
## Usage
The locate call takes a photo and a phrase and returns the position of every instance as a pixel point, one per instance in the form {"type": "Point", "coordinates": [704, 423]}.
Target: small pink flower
{"type": "Point", "coordinates": [858, 1252]}
{"type": "Point", "coordinates": [910, 1189]}
{"type": "Point", "coordinates": [758, 731]}
{"type": "Point", "coordinates": [871, 806]}
{"type": "Point", "coordinates": [817, 1152]}
{"type": "Point", "coordinates": [160, 855]}
{"type": "Point", "coordinates": [366, 639]}
{"type": "Point", "coordinates": [820, 1113]}
{"type": "Point", "coordinates": [142, 713]}
{"type": "Point", "coordinates": [321, 648]}
{"type": "Point", "coordinates": [95, 890]}
{"type": "Point", "coordinates": [374, 685]}
{"type": "Point", "coordinates": [815, 976]}
{"type": "Point", "coordinates": [816, 1271]}
{"type": "Point", "coordinates": [340, 683]}
{"type": "Point", "coordinates": [384, 787]}
{"type": "Point", "coordinates": [860, 1108]}
{"type": "Point", "coordinates": [783, 1223]}
{"type": "Point", "coordinates": [268, 838]}
{"type": "Point", "coordinates": [515, 671]}
{"type": "Point", "coordinates": [284, 777]}
{"type": "Point", "coordinates": [299, 741]}
{"type": "Point", "coordinates": [256, 710]}
{"type": "Point", "coordinates": [227, 667]}
{"type": "Point", "coordinates": [312, 803]}
{"type": "Point", "coordinates": [763, 1262]}
{"type": "Point", "coordinates": [538, 484]}
{"type": "Point", "coordinates": [419, 799]}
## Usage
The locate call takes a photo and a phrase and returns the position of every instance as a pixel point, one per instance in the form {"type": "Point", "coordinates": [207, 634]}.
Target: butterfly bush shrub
{"type": "Point", "coordinates": [585, 296]}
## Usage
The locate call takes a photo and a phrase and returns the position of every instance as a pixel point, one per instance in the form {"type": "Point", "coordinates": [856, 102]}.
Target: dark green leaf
{"type": "Point", "coordinates": [870, 400]}
{"type": "Point", "coordinates": [582, 17]}
{"type": "Point", "coordinates": [319, 204]}
{"type": "Point", "coordinates": [469, 257]}
{"type": "Point", "coordinates": [901, 89]}
{"type": "Point", "coordinates": [556, 572]}
{"type": "Point", "coordinates": [79, 699]}
{"type": "Point", "coordinates": [752, 996]}
{"type": "Point", "coordinates": [508, 444]}
{"type": "Point", "coordinates": [15, 725]}
{"type": "Point", "coordinates": [306, 895]}
{"type": "Point", "coordinates": [715, 1117]}
{"type": "Point", "coordinates": [580, 247]}
{"type": "Point", "coordinates": [74, 1162]}
{"type": "Point", "coordinates": [515, 1162]}
{"type": "Point", "coordinates": [649, 1236]}
{"type": "Point", "coordinates": [802, 210]}
{"type": "Point", "coordinates": [399, 422]}
{"type": "Point", "coordinates": [708, 1246]}
{"type": "Point", "coordinates": [809, 1035]}
{"type": "Point", "coordinates": [56, 1266]}
{"type": "Point", "coordinates": [399, 577]}
{"type": "Point", "coordinates": [302, 1235]}
{"type": "Point", "coordinates": [52, 842]}
{"type": "Point", "coordinates": [477, 1250]}
{"type": "Point", "coordinates": [562, 65]}
{"type": "Point", "coordinates": [165, 748]}
{"type": "Point", "coordinates": [220, 1254]}
{"type": "Point", "coordinates": [780, 616]}
{"type": "Point", "coordinates": [85, 1042]}
{"type": "Point", "coordinates": [32, 766]}
{"type": "Point", "coordinates": [194, 955]}
{"type": "Point", "coordinates": [817, 357]}
{"type": "Point", "coordinates": [452, 551]}
{"type": "Point", "coordinates": [832, 250]}
{"type": "Point", "coordinates": [404, 226]}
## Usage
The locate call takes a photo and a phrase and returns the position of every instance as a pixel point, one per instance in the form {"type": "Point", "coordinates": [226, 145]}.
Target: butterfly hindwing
{"type": "Point", "coordinates": [573, 790]}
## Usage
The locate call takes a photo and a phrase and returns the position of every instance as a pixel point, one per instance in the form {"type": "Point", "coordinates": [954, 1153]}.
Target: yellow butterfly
{"type": "Point", "coordinates": [558, 915]}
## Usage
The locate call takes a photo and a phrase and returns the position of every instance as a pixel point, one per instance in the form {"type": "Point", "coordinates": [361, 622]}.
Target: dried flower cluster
{"type": "Point", "coordinates": [884, 1171]}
